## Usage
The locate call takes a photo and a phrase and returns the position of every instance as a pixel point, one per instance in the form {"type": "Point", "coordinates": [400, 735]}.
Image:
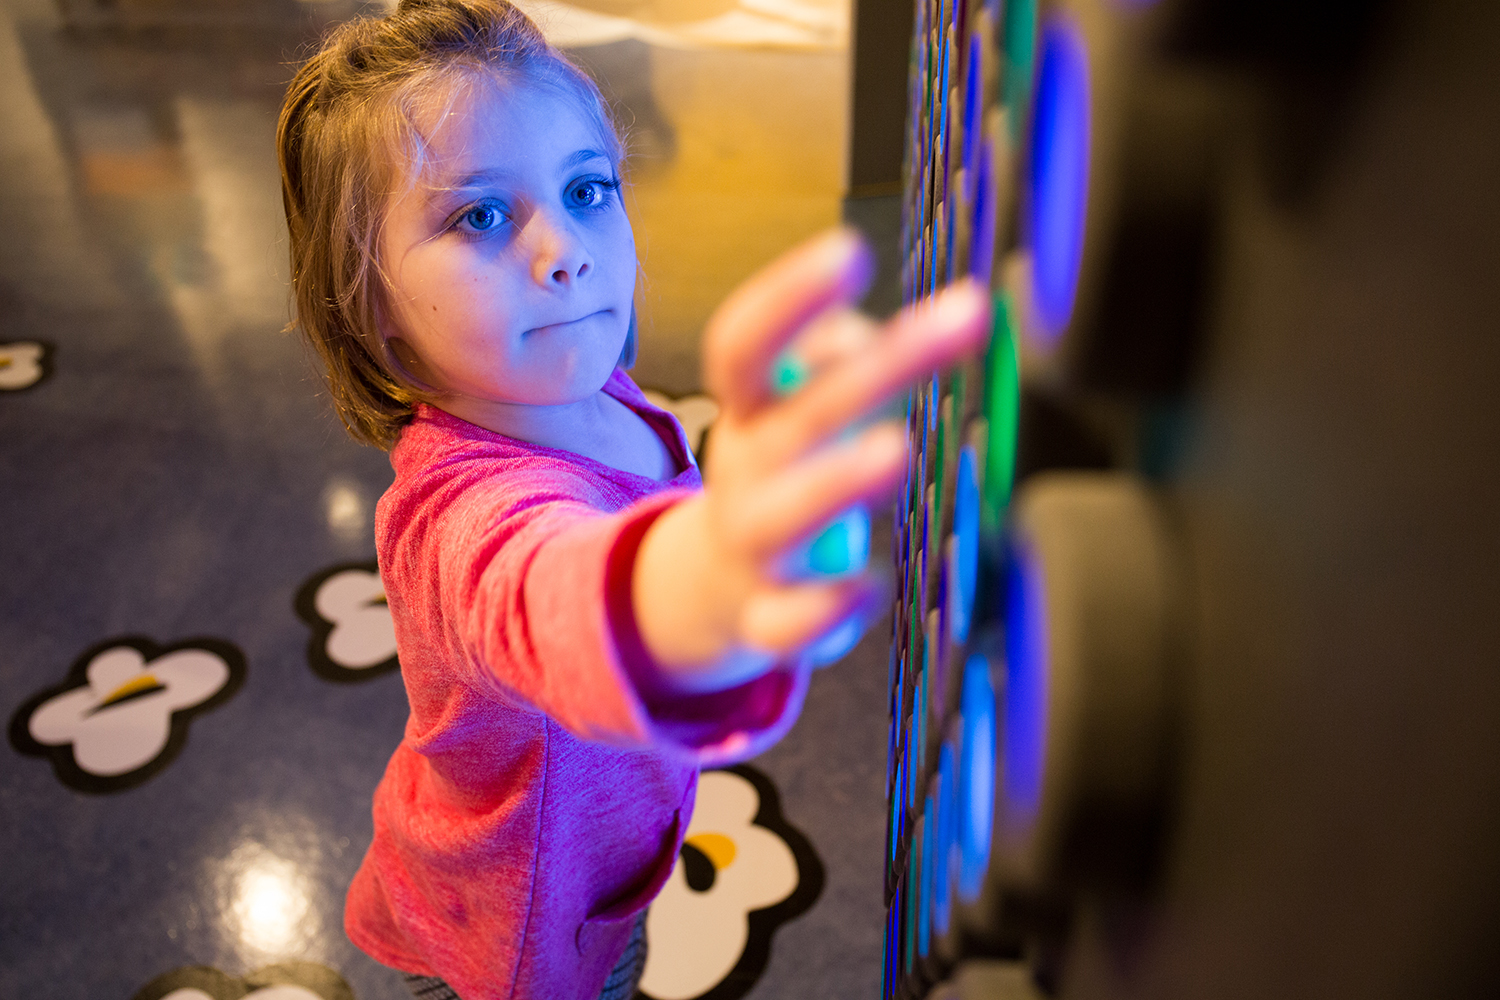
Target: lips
{"type": "Point", "coordinates": [565, 325]}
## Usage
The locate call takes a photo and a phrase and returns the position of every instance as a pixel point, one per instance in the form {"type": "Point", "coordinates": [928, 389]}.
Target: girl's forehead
{"type": "Point", "coordinates": [504, 126]}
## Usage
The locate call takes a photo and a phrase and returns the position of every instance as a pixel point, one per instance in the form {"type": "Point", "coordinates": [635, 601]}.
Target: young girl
{"type": "Point", "coordinates": [582, 624]}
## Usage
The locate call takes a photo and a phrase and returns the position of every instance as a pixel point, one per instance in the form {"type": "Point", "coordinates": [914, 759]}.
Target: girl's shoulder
{"type": "Point", "coordinates": [435, 435]}
{"type": "Point", "coordinates": [436, 438]}
{"type": "Point", "coordinates": [436, 444]}
{"type": "Point", "coordinates": [441, 453]}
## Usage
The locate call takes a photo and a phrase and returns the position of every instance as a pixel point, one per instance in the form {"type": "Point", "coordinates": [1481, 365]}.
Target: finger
{"type": "Point", "coordinates": [833, 337]}
{"type": "Point", "coordinates": [783, 619]}
{"type": "Point", "coordinates": [762, 315]}
{"type": "Point", "coordinates": [837, 643]}
{"type": "Point", "coordinates": [921, 340]}
{"type": "Point", "coordinates": [795, 503]}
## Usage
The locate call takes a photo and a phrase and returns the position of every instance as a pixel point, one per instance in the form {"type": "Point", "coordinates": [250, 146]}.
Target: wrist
{"type": "Point", "coordinates": [683, 592]}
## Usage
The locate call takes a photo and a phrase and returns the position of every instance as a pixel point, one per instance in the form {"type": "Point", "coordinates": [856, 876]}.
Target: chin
{"type": "Point", "coordinates": [583, 377]}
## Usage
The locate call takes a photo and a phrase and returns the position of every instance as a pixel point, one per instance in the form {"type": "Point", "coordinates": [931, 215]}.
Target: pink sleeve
{"type": "Point", "coordinates": [539, 594]}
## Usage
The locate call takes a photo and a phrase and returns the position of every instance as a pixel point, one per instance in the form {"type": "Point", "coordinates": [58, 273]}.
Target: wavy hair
{"type": "Point", "coordinates": [349, 132]}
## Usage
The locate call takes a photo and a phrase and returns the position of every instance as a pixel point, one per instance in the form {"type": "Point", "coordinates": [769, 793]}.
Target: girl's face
{"type": "Point", "coordinates": [511, 260]}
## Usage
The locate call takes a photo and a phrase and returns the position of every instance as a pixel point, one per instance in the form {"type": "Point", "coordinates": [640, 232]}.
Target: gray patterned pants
{"type": "Point", "coordinates": [619, 986]}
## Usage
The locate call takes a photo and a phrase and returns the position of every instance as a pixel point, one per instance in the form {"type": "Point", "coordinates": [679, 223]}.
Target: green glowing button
{"type": "Point", "coordinates": [1002, 412]}
{"type": "Point", "coordinates": [1020, 61]}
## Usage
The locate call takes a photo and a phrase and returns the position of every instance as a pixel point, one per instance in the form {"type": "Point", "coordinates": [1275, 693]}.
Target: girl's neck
{"type": "Point", "coordinates": [564, 425]}
{"type": "Point", "coordinates": [598, 426]}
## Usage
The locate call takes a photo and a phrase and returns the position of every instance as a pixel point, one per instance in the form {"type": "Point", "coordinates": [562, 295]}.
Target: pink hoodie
{"type": "Point", "coordinates": [538, 800]}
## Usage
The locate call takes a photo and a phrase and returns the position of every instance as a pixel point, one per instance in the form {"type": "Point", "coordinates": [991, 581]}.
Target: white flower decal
{"type": "Point", "coordinates": [353, 635]}
{"type": "Point", "coordinates": [285, 981]}
{"type": "Point", "coordinates": [695, 413]}
{"type": "Point", "coordinates": [743, 871]}
{"type": "Point", "coordinates": [123, 712]}
{"type": "Point", "coordinates": [23, 364]}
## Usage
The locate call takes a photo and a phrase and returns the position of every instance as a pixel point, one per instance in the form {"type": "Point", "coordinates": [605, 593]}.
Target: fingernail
{"type": "Point", "coordinates": [835, 250]}
{"type": "Point", "coordinates": [958, 304]}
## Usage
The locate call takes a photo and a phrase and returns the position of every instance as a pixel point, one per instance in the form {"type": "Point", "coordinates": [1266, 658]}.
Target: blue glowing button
{"type": "Point", "coordinates": [913, 876]}
{"type": "Point", "coordinates": [976, 778]}
{"type": "Point", "coordinates": [973, 101]}
{"type": "Point", "coordinates": [944, 844]}
{"type": "Point", "coordinates": [940, 454]}
{"type": "Point", "coordinates": [892, 838]}
{"type": "Point", "coordinates": [924, 904]}
{"type": "Point", "coordinates": [896, 799]}
{"type": "Point", "coordinates": [963, 549]}
{"type": "Point", "coordinates": [1025, 685]}
{"type": "Point", "coordinates": [940, 122]}
{"type": "Point", "coordinates": [984, 209]}
{"type": "Point", "coordinates": [888, 988]}
{"type": "Point", "coordinates": [913, 765]}
{"type": "Point", "coordinates": [919, 728]}
{"type": "Point", "coordinates": [1059, 172]}
{"type": "Point", "coordinates": [898, 908]}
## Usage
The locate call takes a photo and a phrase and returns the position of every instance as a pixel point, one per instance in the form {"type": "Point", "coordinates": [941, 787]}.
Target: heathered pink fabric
{"type": "Point", "coordinates": [538, 800]}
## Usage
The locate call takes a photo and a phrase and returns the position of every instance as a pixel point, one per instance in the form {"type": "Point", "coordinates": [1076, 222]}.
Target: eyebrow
{"type": "Point", "coordinates": [485, 176]}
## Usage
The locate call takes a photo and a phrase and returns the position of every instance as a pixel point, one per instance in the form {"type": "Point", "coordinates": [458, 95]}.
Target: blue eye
{"type": "Point", "coordinates": [592, 193]}
{"type": "Point", "coordinates": [481, 218]}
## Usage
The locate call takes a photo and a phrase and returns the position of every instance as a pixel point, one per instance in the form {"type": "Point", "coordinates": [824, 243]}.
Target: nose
{"type": "Point", "coordinates": [559, 256]}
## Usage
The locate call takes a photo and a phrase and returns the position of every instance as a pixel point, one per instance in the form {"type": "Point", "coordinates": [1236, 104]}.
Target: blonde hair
{"type": "Point", "coordinates": [349, 133]}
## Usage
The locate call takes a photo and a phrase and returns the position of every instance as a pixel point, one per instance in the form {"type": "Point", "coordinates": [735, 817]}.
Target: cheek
{"type": "Point", "coordinates": [467, 310]}
{"type": "Point", "coordinates": [621, 251]}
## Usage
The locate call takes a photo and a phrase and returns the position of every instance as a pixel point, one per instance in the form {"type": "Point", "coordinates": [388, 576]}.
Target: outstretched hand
{"type": "Point", "coordinates": [711, 606]}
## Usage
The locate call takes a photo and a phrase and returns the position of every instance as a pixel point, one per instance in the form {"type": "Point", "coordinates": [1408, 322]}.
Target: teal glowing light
{"type": "Point", "coordinates": [843, 546]}
{"type": "Point", "coordinates": [789, 373]}
{"type": "Point", "coordinates": [1019, 37]}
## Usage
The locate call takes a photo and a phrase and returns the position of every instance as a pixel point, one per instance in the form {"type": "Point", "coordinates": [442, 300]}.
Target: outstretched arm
{"type": "Point", "coordinates": [710, 606]}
